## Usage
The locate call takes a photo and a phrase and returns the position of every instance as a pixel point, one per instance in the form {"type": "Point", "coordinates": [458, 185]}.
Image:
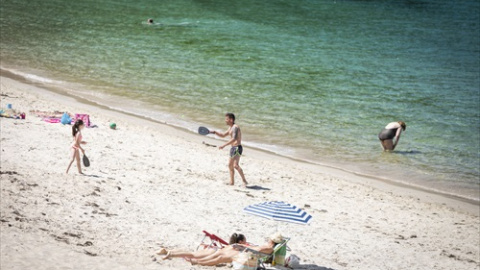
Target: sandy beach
{"type": "Point", "coordinates": [151, 185]}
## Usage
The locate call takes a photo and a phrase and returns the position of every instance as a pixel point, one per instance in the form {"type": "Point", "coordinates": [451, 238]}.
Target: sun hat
{"type": "Point", "coordinates": [276, 238]}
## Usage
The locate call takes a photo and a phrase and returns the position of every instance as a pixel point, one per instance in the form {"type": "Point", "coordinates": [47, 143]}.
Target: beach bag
{"type": "Point", "coordinates": [65, 119]}
{"type": "Point", "coordinates": [86, 162]}
{"type": "Point", "coordinates": [244, 261]}
{"type": "Point", "coordinates": [84, 117]}
{"type": "Point", "coordinates": [292, 261]}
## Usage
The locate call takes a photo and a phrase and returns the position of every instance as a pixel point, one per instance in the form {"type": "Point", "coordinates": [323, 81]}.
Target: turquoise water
{"type": "Point", "coordinates": [312, 79]}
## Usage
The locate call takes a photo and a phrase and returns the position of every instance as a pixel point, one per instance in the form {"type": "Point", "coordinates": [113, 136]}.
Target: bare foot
{"type": "Point", "coordinates": [162, 251]}
{"type": "Point", "coordinates": [229, 184]}
{"type": "Point", "coordinates": [245, 183]}
{"type": "Point", "coordinates": [166, 256]}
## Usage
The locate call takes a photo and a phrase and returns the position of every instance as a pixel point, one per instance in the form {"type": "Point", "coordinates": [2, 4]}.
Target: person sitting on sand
{"type": "Point", "coordinates": [227, 254]}
{"type": "Point", "coordinates": [77, 141]}
{"type": "Point", "coordinates": [234, 239]}
{"type": "Point", "coordinates": [391, 131]}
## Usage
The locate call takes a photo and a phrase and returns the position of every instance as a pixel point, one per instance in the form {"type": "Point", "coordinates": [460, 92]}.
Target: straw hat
{"type": "Point", "coordinates": [276, 238]}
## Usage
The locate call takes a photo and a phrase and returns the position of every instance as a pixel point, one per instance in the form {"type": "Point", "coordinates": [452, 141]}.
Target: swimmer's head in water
{"type": "Point", "coordinates": [404, 126]}
{"type": "Point", "coordinates": [150, 20]}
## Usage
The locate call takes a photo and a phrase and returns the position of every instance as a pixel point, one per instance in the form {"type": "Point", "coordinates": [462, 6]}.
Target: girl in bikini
{"type": "Point", "coordinates": [77, 141]}
{"type": "Point", "coordinates": [203, 253]}
{"type": "Point", "coordinates": [227, 254]}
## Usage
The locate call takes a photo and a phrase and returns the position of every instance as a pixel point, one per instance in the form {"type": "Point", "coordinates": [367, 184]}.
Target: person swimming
{"type": "Point", "coordinates": [391, 131]}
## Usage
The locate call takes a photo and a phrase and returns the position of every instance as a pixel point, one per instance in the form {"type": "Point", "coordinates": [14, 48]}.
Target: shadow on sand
{"type": "Point", "coordinates": [305, 267]}
{"type": "Point", "coordinates": [91, 175]}
{"type": "Point", "coordinates": [257, 187]}
{"type": "Point", "coordinates": [314, 267]}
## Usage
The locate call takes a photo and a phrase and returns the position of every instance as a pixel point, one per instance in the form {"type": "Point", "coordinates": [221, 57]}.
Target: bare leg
{"type": "Point", "coordinates": [185, 254]}
{"type": "Point", "coordinates": [73, 158]}
{"type": "Point", "coordinates": [232, 172]}
{"type": "Point", "coordinates": [223, 256]}
{"type": "Point", "coordinates": [213, 255]}
{"type": "Point", "coordinates": [236, 165]}
{"type": "Point", "coordinates": [79, 166]}
{"type": "Point", "coordinates": [388, 145]}
{"type": "Point", "coordinates": [213, 262]}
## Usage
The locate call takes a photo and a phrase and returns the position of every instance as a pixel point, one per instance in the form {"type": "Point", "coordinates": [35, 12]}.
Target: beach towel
{"type": "Point", "coordinates": [52, 120]}
{"type": "Point", "coordinates": [84, 117]}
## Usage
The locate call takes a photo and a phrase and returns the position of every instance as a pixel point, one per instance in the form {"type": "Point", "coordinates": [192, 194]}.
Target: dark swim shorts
{"type": "Point", "coordinates": [236, 151]}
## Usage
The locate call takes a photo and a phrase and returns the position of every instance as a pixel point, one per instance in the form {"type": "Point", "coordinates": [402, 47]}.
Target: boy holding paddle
{"type": "Point", "coordinates": [237, 148]}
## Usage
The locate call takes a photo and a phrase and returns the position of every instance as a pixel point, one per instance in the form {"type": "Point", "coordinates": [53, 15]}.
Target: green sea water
{"type": "Point", "coordinates": [311, 79]}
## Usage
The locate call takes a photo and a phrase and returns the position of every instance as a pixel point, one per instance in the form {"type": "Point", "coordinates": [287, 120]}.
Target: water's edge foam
{"type": "Point", "coordinates": [54, 86]}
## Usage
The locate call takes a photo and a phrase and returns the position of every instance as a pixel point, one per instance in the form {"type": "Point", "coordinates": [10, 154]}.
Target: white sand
{"type": "Point", "coordinates": [152, 185]}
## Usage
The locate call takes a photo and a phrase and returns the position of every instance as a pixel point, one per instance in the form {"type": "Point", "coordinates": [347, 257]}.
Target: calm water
{"type": "Point", "coordinates": [312, 79]}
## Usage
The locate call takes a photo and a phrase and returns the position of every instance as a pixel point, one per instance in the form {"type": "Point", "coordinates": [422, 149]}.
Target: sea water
{"type": "Point", "coordinates": [316, 80]}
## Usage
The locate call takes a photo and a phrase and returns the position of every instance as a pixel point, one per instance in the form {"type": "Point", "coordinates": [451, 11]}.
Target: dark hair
{"type": "Point", "coordinates": [236, 238]}
{"type": "Point", "coordinates": [150, 20]}
{"type": "Point", "coordinates": [76, 127]}
{"type": "Point", "coordinates": [231, 116]}
{"type": "Point", "coordinates": [403, 125]}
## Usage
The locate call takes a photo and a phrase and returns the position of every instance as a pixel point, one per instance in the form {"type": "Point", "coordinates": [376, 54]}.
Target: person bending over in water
{"type": "Point", "coordinates": [199, 254]}
{"type": "Point", "coordinates": [227, 254]}
{"type": "Point", "coordinates": [389, 133]}
{"type": "Point", "coordinates": [237, 148]}
{"type": "Point", "coordinates": [77, 141]}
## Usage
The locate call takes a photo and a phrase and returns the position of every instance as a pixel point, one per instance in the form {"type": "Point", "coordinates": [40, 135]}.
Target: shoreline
{"type": "Point", "coordinates": [468, 205]}
{"type": "Point", "coordinates": [189, 126]}
{"type": "Point", "coordinates": [152, 185]}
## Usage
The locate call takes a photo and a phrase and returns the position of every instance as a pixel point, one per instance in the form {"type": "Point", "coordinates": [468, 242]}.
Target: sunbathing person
{"type": "Point", "coordinates": [234, 239]}
{"type": "Point", "coordinates": [227, 254]}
